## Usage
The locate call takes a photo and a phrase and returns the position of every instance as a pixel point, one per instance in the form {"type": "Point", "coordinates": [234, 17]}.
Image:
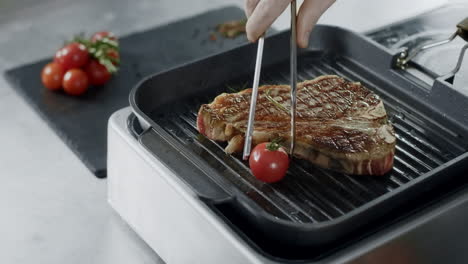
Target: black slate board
{"type": "Point", "coordinates": [82, 121]}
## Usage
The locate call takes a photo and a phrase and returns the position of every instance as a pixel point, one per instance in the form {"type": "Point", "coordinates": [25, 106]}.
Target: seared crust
{"type": "Point", "coordinates": [340, 125]}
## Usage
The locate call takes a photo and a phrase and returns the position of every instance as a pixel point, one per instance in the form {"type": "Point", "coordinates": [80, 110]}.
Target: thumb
{"type": "Point", "coordinates": [264, 14]}
{"type": "Point", "coordinates": [309, 14]}
{"type": "Point", "coordinates": [249, 6]}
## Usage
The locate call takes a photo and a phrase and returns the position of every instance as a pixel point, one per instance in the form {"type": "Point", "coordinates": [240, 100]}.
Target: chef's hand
{"type": "Point", "coordinates": [262, 13]}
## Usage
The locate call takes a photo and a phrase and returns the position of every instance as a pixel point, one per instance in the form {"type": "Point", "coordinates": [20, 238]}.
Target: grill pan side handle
{"type": "Point", "coordinates": [405, 56]}
{"type": "Point", "coordinates": [462, 30]}
{"type": "Point", "coordinates": [196, 178]}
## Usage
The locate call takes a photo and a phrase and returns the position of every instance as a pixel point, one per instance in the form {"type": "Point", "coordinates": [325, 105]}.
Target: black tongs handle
{"type": "Point", "coordinates": [462, 31]}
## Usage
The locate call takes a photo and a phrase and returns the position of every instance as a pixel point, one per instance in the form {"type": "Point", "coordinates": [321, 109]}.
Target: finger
{"type": "Point", "coordinates": [249, 6]}
{"type": "Point", "coordinates": [263, 16]}
{"type": "Point", "coordinates": [309, 14]}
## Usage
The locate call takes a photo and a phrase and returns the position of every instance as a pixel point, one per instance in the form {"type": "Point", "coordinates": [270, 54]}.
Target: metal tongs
{"type": "Point", "coordinates": [293, 82]}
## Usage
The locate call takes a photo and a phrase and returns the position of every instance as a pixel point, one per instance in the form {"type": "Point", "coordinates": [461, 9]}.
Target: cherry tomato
{"type": "Point", "coordinates": [75, 82]}
{"type": "Point", "coordinates": [73, 55]}
{"type": "Point", "coordinates": [269, 162]}
{"type": "Point", "coordinates": [115, 55]}
{"type": "Point", "coordinates": [52, 76]}
{"type": "Point", "coordinates": [97, 73]}
{"type": "Point", "coordinates": [99, 35]}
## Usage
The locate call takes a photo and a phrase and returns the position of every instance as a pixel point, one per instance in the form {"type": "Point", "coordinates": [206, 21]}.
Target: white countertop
{"type": "Point", "coordinates": [53, 210]}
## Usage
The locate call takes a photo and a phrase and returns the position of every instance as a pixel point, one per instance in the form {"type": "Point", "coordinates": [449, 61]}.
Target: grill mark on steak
{"type": "Point", "coordinates": [340, 125]}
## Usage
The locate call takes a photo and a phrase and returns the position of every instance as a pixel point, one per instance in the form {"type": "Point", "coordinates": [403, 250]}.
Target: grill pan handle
{"type": "Point", "coordinates": [182, 165]}
{"type": "Point", "coordinates": [462, 30]}
{"type": "Point", "coordinates": [406, 56]}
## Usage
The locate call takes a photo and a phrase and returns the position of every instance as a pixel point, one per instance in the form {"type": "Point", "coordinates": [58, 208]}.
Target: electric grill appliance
{"type": "Point", "coordinates": [193, 203]}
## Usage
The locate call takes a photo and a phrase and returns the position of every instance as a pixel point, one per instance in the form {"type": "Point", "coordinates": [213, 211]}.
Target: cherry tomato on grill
{"type": "Point", "coordinates": [97, 73]}
{"type": "Point", "coordinates": [269, 162]}
{"type": "Point", "coordinates": [73, 55]}
{"type": "Point", "coordinates": [75, 82]}
{"type": "Point", "coordinates": [52, 76]}
{"type": "Point", "coordinates": [102, 34]}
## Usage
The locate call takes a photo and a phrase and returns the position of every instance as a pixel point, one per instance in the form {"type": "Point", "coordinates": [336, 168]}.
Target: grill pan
{"type": "Point", "coordinates": [311, 207]}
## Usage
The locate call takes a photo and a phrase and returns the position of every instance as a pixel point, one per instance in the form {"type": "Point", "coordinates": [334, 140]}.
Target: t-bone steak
{"type": "Point", "coordinates": [340, 125]}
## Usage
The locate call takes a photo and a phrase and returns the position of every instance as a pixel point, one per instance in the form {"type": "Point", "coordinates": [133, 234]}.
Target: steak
{"type": "Point", "coordinates": [340, 125]}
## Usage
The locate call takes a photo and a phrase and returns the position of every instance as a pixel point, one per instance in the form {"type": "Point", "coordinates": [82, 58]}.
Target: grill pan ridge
{"type": "Point", "coordinates": [311, 206]}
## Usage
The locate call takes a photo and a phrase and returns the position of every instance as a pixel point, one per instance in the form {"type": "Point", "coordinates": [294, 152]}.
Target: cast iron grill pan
{"type": "Point", "coordinates": [311, 206]}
